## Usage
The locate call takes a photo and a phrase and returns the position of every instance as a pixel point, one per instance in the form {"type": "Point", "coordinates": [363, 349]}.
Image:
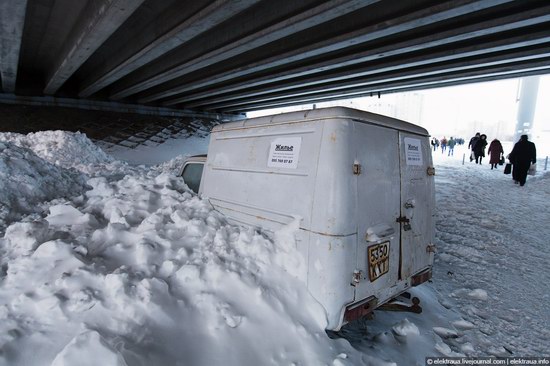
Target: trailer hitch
{"type": "Point", "coordinates": [399, 304]}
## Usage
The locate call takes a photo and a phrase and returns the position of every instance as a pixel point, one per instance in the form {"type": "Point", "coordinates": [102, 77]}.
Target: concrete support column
{"type": "Point", "coordinates": [527, 103]}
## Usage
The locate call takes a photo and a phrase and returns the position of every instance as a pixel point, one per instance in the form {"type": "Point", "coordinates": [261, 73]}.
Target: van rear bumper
{"type": "Point", "coordinates": [421, 277]}
{"type": "Point", "coordinates": [364, 307]}
{"type": "Point", "coordinates": [360, 309]}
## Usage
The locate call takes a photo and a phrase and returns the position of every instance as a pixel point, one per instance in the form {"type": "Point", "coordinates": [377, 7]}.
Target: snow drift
{"type": "Point", "coordinates": [129, 268]}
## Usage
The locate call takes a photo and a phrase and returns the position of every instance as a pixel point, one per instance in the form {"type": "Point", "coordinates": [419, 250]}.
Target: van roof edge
{"type": "Point", "coordinates": [323, 114]}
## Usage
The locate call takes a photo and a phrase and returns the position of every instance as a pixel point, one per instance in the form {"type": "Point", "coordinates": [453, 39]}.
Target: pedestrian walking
{"type": "Point", "coordinates": [443, 144]}
{"type": "Point", "coordinates": [495, 151]}
{"type": "Point", "coordinates": [435, 143]}
{"type": "Point", "coordinates": [479, 148]}
{"type": "Point", "coordinates": [522, 156]}
{"type": "Point", "coordinates": [471, 145]}
{"type": "Point", "coordinates": [451, 144]}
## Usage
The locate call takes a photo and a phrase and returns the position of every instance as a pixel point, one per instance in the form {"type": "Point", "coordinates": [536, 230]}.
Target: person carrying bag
{"type": "Point", "coordinates": [522, 157]}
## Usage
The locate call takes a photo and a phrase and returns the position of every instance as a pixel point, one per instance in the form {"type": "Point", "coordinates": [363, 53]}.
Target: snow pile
{"type": "Point", "coordinates": [61, 148]}
{"type": "Point", "coordinates": [138, 271]}
{"type": "Point", "coordinates": [27, 180]}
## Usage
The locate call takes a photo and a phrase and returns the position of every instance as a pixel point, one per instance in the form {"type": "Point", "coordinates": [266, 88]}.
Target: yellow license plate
{"type": "Point", "coordinates": [379, 260]}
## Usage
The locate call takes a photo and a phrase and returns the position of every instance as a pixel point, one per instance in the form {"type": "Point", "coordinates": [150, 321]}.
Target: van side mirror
{"type": "Point", "coordinates": [192, 174]}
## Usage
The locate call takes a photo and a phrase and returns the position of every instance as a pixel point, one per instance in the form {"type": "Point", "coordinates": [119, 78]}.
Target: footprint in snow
{"type": "Point", "coordinates": [478, 294]}
{"type": "Point", "coordinates": [463, 324]}
{"type": "Point", "coordinates": [445, 333]}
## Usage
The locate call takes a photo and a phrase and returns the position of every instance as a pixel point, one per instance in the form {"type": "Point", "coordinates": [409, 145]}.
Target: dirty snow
{"type": "Point", "coordinates": [106, 263]}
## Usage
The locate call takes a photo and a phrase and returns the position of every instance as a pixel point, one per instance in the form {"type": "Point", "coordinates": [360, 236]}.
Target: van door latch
{"type": "Point", "coordinates": [402, 219]}
{"type": "Point", "coordinates": [405, 221]}
{"type": "Point", "coordinates": [356, 168]}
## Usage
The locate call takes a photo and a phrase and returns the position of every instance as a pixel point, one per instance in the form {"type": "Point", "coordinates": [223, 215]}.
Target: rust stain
{"type": "Point", "coordinates": [333, 137]}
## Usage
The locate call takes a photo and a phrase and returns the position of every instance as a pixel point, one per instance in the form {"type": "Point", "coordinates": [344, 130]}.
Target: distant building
{"type": "Point", "coordinates": [405, 106]}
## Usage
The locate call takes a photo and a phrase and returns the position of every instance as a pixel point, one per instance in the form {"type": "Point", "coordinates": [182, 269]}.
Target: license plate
{"type": "Point", "coordinates": [379, 260]}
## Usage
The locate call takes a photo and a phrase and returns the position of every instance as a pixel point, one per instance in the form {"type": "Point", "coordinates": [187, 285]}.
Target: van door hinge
{"type": "Point", "coordinates": [431, 248]}
{"type": "Point", "coordinates": [356, 168]}
{"type": "Point", "coordinates": [356, 278]}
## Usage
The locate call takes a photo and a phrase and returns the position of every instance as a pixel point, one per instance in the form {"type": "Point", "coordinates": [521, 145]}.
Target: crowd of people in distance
{"type": "Point", "coordinates": [522, 157]}
{"type": "Point", "coordinates": [446, 145]}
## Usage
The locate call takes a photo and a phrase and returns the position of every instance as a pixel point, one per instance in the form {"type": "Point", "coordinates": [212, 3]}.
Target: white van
{"type": "Point", "coordinates": [361, 183]}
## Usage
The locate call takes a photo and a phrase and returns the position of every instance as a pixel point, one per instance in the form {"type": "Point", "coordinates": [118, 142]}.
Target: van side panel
{"type": "Point", "coordinates": [242, 180]}
{"type": "Point", "coordinates": [240, 183]}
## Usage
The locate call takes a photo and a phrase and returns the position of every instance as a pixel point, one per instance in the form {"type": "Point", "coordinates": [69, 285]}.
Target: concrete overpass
{"type": "Point", "coordinates": [233, 56]}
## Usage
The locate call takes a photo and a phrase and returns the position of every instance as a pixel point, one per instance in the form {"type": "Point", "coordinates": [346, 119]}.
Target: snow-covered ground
{"type": "Point", "coordinates": [106, 263]}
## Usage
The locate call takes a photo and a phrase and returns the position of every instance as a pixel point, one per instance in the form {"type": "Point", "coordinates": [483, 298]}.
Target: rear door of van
{"type": "Point", "coordinates": [417, 192]}
{"type": "Point", "coordinates": [378, 200]}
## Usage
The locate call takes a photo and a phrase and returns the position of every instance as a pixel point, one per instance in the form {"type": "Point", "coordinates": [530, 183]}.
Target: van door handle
{"type": "Point", "coordinates": [402, 220]}
{"type": "Point", "coordinates": [405, 221]}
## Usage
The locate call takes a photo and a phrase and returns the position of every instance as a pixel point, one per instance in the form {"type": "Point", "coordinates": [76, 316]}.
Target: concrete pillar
{"type": "Point", "coordinates": [527, 103]}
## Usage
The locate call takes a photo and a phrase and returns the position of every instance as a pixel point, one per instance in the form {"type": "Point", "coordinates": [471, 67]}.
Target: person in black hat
{"type": "Point", "coordinates": [479, 148]}
{"type": "Point", "coordinates": [523, 154]}
{"type": "Point", "coordinates": [472, 143]}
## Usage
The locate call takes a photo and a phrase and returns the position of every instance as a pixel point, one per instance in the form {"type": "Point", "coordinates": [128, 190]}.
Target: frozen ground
{"type": "Point", "coordinates": [494, 247]}
{"type": "Point", "coordinates": [105, 263]}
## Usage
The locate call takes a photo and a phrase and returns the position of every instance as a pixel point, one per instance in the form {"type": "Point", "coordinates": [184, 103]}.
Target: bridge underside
{"type": "Point", "coordinates": [234, 56]}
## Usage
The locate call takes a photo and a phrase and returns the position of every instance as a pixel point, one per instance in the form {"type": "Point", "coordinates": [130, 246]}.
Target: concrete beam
{"type": "Point", "coordinates": [482, 64]}
{"type": "Point", "coordinates": [439, 58]}
{"type": "Point", "coordinates": [435, 82]}
{"type": "Point", "coordinates": [322, 13]}
{"type": "Point", "coordinates": [470, 32]}
{"type": "Point", "coordinates": [99, 20]}
{"type": "Point", "coordinates": [96, 105]}
{"type": "Point", "coordinates": [12, 20]}
{"type": "Point", "coordinates": [131, 59]}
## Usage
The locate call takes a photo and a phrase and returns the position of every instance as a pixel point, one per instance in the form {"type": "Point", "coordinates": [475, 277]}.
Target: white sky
{"type": "Point", "coordinates": [461, 110]}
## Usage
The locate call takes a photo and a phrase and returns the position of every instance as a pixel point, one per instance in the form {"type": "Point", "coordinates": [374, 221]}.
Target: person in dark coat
{"type": "Point", "coordinates": [472, 143]}
{"type": "Point", "coordinates": [435, 143]}
{"type": "Point", "coordinates": [443, 144]}
{"type": "Point", "coordinates": [479, 148]}
{"type": "Point", "coordinates": [495, 150]}
{"type": "Point", "coordinates": [523, 154]}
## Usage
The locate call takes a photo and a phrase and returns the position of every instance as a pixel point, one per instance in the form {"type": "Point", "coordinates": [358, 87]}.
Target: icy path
{"type": "Point", "coordinates": [493, 241]}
